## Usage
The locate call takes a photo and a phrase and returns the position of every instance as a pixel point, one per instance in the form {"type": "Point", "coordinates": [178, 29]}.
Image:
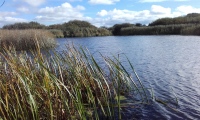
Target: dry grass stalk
{"type": "Point", "coordinates": [26, 39]}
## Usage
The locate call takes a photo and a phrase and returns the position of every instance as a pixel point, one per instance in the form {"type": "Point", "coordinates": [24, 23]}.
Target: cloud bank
{"type": "Point", "coordinates": [106, 2]}
{"type": "Point", "coordinates": [103, 17]}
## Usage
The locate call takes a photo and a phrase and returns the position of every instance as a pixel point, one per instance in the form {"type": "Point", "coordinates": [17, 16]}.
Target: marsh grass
{"type": "Point", "coordinates": [26, 39]}
{"type": "Point", "coordinates": [71, 85]}
{"type": "Point", "coordinates": [57, 33]}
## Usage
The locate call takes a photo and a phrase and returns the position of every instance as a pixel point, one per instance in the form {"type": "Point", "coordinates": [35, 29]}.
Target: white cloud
{"type": "Point", "coordinates": [74, 0]}
{"type": "Point", "coordinates": [146, 1]}
{"type": "Point", "coordinates": [143, 1]}
{"type": "Point", "coordinates": [35, 2]}
{"type": "Point", "coordinates": [102, 13]}
{"type": "Point", "coordinates": [156, 9]}
{"type": "Point", "coordinates": [181, 0]}
{"type": "Point", "coordinates": [66, 12]}
{"type": "Point", "coordinates": [187, 9]}
{"type": "Point", "coordinates": [108, 2]}
{"type": "Point", "coordinates": [109, 18]}
{"type": "Point", "coordinates": [23, 9]}
{"type": "Point", "coordinates": [3, 14]}
{"type": "Point", "coordinates": [10, 20]}
{"type": "Point", "coordinates": [7, 18]}
{"type": "Point", "coordinates": [62, 13]}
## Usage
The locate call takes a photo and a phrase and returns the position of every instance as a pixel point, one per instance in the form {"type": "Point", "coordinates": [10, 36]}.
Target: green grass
{"type": "Point", "coordinates": [71, 85]}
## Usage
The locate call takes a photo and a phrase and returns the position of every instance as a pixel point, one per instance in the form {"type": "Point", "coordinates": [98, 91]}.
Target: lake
{"type": "Point", "coordinates": [168, 64]}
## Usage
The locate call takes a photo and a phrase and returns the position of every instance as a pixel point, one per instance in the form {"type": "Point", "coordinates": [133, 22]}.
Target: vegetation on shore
{"type": "Point", "coordinates": [71, 85]}
{"type": "Point", "coordinates": [24, 25]}
{"type": "Point", "coordinates": [26, 39]}
{"type": "Point", "coordinates": [192, 18]}
{"type": "Point", "coordinates": [75, 28]}
{"type": "Point", "coordinates": [184, 25]}
{"type": "Point", "coordinates": [79, 28]}
{"type": "Point", "coordinates": [57, 33]}
{"type": "Point", "coordinates": [188, 29]}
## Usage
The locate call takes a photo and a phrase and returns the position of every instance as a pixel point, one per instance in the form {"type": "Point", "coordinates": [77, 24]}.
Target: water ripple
{"type": "Point", "coordinates": [169, 64]}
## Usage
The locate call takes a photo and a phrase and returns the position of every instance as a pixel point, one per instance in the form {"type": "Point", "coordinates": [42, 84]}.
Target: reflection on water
{"type": "Point", "coordinates": [169, 64]}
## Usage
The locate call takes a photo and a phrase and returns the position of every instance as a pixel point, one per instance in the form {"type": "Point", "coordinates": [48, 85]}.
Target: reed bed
{"type": "Point", "coordinates": [26, 39]}
{"type": "Point", "coordinates": [71, 85]}
{"type": "Point", "coordinates": [57, 33]}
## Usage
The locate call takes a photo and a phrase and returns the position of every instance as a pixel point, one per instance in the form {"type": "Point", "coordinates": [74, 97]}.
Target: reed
{"type": "Point", "coordinates": [26, 39]}
{"type": "Point", "coordinates": [57, 33]}
{"type": "Point", "coordinates": [71, 85]}
{"type": "Point", "coordinates": [192, 30]}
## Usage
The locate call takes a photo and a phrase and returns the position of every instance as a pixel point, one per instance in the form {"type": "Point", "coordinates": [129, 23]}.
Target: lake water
{"type": "Point", "coordinates": [168, 64]}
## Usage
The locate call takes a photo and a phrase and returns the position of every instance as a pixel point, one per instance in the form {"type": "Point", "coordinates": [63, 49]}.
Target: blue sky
{"type": "Point", "coordinates": [97, 12]}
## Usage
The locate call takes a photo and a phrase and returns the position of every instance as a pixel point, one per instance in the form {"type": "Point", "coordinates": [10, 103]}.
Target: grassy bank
{"type": "Point", "coordinates": [71, 85]}
{"type": "Point", "coordinates": [26, 39]}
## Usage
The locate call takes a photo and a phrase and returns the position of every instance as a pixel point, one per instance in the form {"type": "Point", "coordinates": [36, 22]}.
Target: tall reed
{"type": "Point", "coordinates": [26, 39]}
{"type": "Point", "coordinates": [71, 85]}
{"type": "Point", "coordinates": [57, 33]}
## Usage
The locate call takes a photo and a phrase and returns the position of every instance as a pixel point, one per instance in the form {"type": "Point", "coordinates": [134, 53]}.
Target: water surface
{"type": "Point", "coordinates": [168, 64]}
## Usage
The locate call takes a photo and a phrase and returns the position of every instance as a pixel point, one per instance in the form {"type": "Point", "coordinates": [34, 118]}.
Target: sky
{"type": "Point", "coordinates": [97, 12]}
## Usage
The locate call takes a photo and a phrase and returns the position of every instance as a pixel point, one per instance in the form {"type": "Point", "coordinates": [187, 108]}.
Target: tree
{"type": "Point", "coordinates": [116, 29]}
{"type": "Point", "coordinates": [162, 21]}
{"type": "Point", "coordinates": [138, 24]}
{"type": "Point", "coordinates": [24, 25]}
{"type": "Point", "coordinates": [192, 18]}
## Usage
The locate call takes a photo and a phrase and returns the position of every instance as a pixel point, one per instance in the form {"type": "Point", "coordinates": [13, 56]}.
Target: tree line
{"type": "Point", "coordinates": [75, 28]}
{"type": "Point", "coordinates": [183, 25]}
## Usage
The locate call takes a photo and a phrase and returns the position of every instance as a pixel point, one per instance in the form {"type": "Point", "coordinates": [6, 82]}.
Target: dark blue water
{"type": "Point", "coordinates": [168, 64]}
